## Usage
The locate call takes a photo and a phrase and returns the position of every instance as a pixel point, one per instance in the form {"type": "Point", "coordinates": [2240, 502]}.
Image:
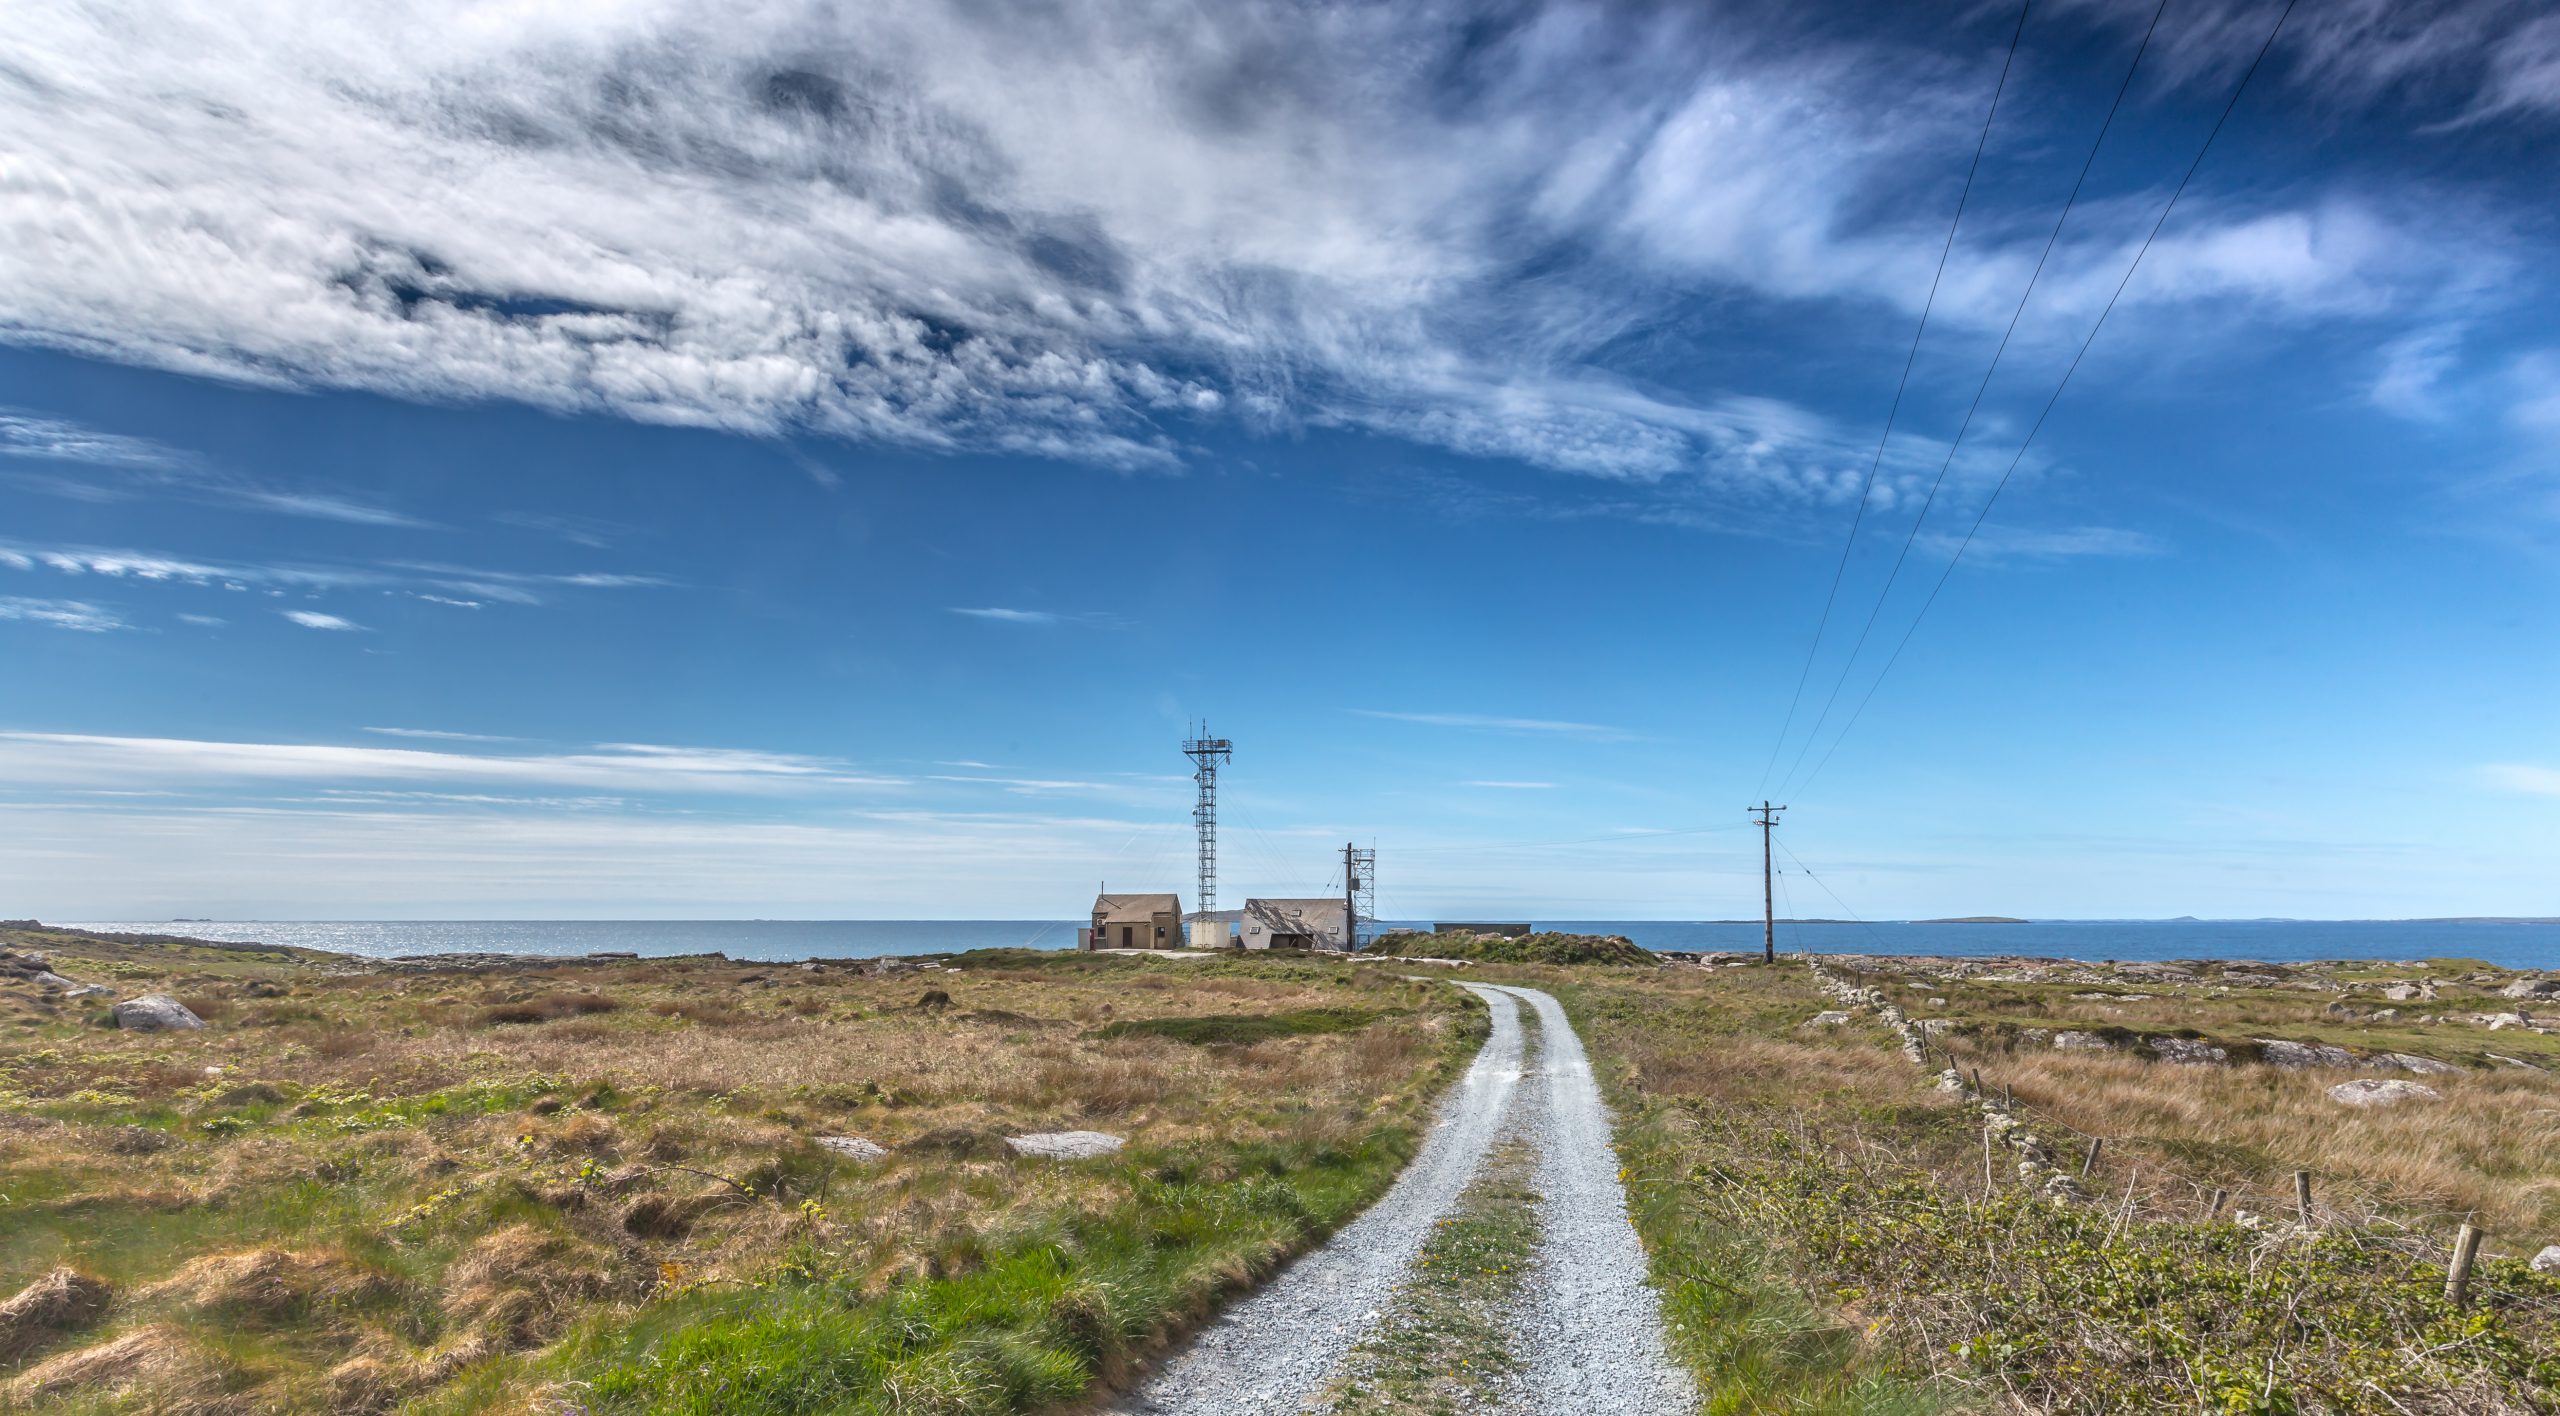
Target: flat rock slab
{"type": "Point", "coordinates": [2370, 1092]}
{"type": "Point", "coordinates": [2295, 1056]}
{"type": "Point", "coordinates": [853, 1147]}
{"type": "Point", "coordinates": [155, 1012]}
{"type": "Point", "coordinates": [1066, 1145]}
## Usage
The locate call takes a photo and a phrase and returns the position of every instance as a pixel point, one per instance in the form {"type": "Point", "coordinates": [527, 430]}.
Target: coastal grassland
{"type": "Point", "coordinates": [2487, 1152]}
{"type": "Point", "coordinates": [1833, 1235]}
{"type": "Point", "coordinates": [599, 1185]}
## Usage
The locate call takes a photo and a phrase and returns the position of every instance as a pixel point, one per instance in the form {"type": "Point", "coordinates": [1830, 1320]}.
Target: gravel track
{"type": "Point", "coordinates": [1590, 1332]}
{"type": "Point", "coordinates": [1274, 1351]}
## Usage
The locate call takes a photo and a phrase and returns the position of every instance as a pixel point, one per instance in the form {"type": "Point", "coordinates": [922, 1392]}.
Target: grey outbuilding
{"type": "Point", "coordinates": [1296, 924]}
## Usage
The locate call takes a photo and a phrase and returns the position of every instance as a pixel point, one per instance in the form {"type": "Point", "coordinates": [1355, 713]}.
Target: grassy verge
{"type": "Point", "coordinates": [1447, 1346]}
{"type": "Point", "coordinates": [603, 1186]}
{"type": "Point", "coordinates": [1832, 1237]}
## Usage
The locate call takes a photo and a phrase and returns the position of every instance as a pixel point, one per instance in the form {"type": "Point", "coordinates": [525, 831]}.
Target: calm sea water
{"type": "Point", "coordinates": [2522, 945]}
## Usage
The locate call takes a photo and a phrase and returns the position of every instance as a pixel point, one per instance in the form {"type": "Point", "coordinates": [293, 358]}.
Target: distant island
{"type": "Point", "coordinates": [1972, 919]}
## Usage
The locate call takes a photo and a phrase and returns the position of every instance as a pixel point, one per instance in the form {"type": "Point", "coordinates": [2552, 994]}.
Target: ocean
{"type": "Point", "coordinates": [2521, 944]}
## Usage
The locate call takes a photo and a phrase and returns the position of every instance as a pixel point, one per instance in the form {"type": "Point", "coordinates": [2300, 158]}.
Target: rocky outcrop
{"type": "Point", "coordinates": [2548, 1261]}
{"type": "Point", "coordinates": [2189, 1051]}
{"type": "Point", "coordinates": [2072, 1040]}
{"type": "Point", "coordinates": [2531, 988]}
{"type": "Point", "coordinates": [1065, 1145]}
{"type": "Point", "coordinates": [1830, 1019]}
{"type": "Point", "coordinates": [853, 1147]}
{"type": "Point", "coordinates": [2298, 1056]}
{"type": "Point", "coordinates": [2368, 1091]}
{"type": "Point", "coordinates": [155, 1012]}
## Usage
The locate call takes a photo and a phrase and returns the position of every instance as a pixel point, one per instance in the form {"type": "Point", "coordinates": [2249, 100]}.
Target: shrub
{"type": "Point", "coordinates": [547, 1007]}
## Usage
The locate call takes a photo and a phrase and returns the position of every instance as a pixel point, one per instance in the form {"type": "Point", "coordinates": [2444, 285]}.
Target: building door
{"type": "Point", "coordinates": [1125, 936]}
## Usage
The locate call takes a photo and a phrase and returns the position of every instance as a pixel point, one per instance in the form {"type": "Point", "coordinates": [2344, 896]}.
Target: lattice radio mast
{"type": "Point", "coordinates": [1359, 892]}
{"type": "Point", "coordinates": [1206, 753]}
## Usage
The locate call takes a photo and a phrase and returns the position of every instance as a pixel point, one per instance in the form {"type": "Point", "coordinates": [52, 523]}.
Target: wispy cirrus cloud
{"type": "Point", "coordinates": [61, 614]}
{"type": "Point", "coordinates": [460, 582]}
{"type": "Point", "coordinates": [2526, 778]}
{"type": "Point", "coordinates": [1482, 722]}
{"type": "Point", "coordinates": [93, 761]}
{"type": "Point", "coordinates": [1002, 615]}
{"type": "Point", "coordinates": [1083, 233]}
{"type": "Point", "coordinates": [441, 735]}
{"type": "Point", "coordinates": [123, 468]}
{"type": "Point", "coordinates": [314, 619]}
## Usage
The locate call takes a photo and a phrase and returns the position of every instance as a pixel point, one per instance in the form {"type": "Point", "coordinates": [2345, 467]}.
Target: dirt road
{"type": "Point", "coordinates": [1588, 1339]}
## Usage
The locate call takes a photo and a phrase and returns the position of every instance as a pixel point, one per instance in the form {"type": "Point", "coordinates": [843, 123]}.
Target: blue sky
{"type": "Point", "coordinates": [665, 459]}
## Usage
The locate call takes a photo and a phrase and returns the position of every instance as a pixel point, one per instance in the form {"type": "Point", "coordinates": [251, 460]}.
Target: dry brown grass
{"type": "Point", "coordinates": [2489, 1151]}
{"type": "Point", "coordinates": [375, 1187]}
{"type": "Point", "coordinates": [57, 1303]}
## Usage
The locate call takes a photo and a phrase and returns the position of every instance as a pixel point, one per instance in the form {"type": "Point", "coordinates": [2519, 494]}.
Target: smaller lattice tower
{"type": "Point", "coordinates": [1359, 892]}
{"type": "Point", "coordinates": [1206, 753]}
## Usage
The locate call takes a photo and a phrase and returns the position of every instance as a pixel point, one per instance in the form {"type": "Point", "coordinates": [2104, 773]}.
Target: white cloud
{"type": "Point", "coordinates": [1547, 726]}
{"type": "Point", "coordinates": [140, 467]}
{"type": "Point", "coordinates": [511, 587]}
{"type": "Point", "coordinates": [314, 619]}
{"type": "Point", "coordinates": [2536, 409]}
{"type": "Point", "coordinates": [2523, 777]}
{"type": "Point", "coordinates": [61, 614]}
{"type": "Point", "coordinates": [51, 439]}
{"type": "Point", "coordinates": [80, 760]}
{"type": "Point", "coordinates": [207, 621]}
{"type": "Point", "coordinates": [432, 857]}
{"type": "Point", "coordinates": [1008, 616]}
{"type": "Point", "coordinates": [1997, 542]}
{"type": "Point", "coordinates": [1072, 233]}
{"type": "Point", "coordinates": [440, 735]}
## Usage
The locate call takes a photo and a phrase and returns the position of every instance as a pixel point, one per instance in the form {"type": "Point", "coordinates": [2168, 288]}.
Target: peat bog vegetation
{"type": "Point", "coordinates": [599, 1186]}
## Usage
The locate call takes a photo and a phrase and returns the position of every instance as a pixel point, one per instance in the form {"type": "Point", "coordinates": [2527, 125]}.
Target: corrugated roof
{"type": "Point", "coordinates": [1317, 916]}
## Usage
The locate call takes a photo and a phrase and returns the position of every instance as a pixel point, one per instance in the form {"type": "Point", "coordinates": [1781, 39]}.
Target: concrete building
{"type": "Point", "coordinates": [1135, 922]}
{"type": "Point", "coordinates": [1295, 924]}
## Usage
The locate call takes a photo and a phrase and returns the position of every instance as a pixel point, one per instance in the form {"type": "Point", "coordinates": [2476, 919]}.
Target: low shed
{"type": "Point", "coordinates": [1136, 922]}
{"type": "Point", "coordinates": [1295, 924]}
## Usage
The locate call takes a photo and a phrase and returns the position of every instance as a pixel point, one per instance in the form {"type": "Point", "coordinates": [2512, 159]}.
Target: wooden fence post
{"type": "Point", "coordinates": [2302, 1196]}
{"type": "Point", "coordinates": [2457, 1275]}
{"type": "Point", "coordinates": [2089, 1162]}
{"type": "Point", "coordinates": [2214, 1211]}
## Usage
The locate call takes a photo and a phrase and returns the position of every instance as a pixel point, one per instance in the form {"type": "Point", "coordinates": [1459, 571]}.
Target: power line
{"type": "Point", "coordinates": [1957, 442]}
{"type": "Point", "coordinates": [2056, 397]}
{"type": "Point", "coordinates": [1796, 699]}
{"type": "Point", "coordinates": [1835, 898]}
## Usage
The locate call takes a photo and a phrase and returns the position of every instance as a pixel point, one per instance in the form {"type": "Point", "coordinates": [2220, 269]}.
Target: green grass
{"type": "Point", "coordinates": [1546, 948]}
{"type": "Point", "coordinates": [1447, 1343]}
{"type": "Point", "coordinates": [1024, 1317]}
{"type": "Point", "coordinates": [1241, 1029]}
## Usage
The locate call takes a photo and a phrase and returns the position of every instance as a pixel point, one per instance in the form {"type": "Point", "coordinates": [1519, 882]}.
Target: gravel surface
{"type": "Point", "coordinates": [1589, 1334]}
{"type": "Point", "coordinates": [1592, 1333]}
{"type": "Point", "coordinates": [1273, 1351]}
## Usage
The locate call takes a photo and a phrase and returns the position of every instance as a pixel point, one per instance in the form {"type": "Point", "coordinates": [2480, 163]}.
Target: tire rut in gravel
{"type": "Point", "coordinates": [1275, 1350]}
{"type": "Point", "coordinates": [1591, 1332]}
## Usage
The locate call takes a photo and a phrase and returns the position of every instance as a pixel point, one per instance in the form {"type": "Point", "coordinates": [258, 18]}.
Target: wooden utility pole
{"type": "Point", "coordinates": [1767, 816]}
